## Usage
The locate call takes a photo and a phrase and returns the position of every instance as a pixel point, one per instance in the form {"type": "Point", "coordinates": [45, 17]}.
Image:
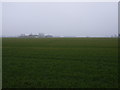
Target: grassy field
{"type": "Point", "coordinates": [0, 63]}
{"type": "Point", "coordinates": [60, 63]}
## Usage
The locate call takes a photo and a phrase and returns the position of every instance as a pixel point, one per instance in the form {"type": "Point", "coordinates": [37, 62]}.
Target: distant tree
{"type": "Point", "coordinates": [41, 35]}
{"type": "Point", "coordinates": [48, 36]}
{"type": "Point", "coordinates": [119, 35]}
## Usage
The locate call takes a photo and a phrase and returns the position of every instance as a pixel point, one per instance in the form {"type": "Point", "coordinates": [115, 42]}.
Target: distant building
{"type": "Point", "coordinates": [40, 35]}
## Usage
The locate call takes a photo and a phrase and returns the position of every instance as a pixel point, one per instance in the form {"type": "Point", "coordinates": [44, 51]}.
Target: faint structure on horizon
{"type": "Point", "coordinates": [40, 35]}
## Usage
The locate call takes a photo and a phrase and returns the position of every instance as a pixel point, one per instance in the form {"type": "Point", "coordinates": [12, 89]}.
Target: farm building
{"type": "Point", "coordinates": [40, 35]}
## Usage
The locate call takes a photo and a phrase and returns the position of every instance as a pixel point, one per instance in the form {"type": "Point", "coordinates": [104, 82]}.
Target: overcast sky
{"type": "Point", "coordinates": [98, 19]}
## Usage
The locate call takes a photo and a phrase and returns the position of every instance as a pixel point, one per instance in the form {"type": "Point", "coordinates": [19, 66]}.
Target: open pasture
{"type": "Point", "coordinates": [60, 63]}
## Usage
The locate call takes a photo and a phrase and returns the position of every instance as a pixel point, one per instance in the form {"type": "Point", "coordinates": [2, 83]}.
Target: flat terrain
{"type": "Point", "coordinates": [60, 63]}
{"type": "Point", "coordinates": [0, 63]}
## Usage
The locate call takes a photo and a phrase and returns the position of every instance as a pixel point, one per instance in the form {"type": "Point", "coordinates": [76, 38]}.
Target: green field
{"type": "Point", "coordinates": [0, 63]}
{"type": "Point", "coordinates": [60, 63]}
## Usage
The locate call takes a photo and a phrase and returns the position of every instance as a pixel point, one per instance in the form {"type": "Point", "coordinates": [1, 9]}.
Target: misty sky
{"type": "Point", "coordinates": [60, 19]}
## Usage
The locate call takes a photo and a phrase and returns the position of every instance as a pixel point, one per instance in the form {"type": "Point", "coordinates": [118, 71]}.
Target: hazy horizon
{"type": "Point", "coordinates": [93, 19]}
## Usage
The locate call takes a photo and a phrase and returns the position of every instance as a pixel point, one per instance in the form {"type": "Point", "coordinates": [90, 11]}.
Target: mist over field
{"type": "Point", "coordinates": [94, 19]}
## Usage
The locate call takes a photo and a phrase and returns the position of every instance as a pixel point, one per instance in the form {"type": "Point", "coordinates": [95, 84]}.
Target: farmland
{"type": "Point", "coordinates": [0, 63]}
{"type": "Point", "coordinates": [60, 63]}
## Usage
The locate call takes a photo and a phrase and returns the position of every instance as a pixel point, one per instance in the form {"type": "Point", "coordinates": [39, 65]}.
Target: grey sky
{"type": "Point", "coordinates": [61, 19]}
{"type": "Point", "coordinates": [0, 19]}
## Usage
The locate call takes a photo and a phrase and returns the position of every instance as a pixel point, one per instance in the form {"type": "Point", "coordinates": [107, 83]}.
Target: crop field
{"type": "Point", "coordinates": [0, 63]}
{"type": "Point", "coordinates": [60, 63]}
